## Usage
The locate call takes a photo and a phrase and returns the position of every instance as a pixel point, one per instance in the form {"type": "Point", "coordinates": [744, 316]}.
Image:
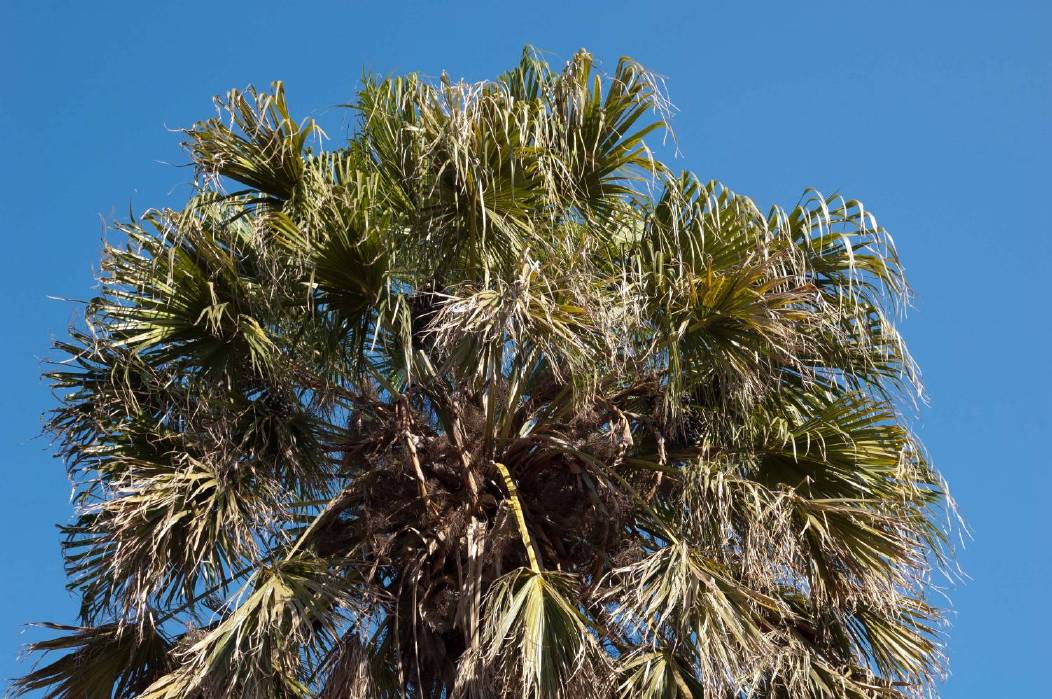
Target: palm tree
{"type": "Point", "coordinates": [491, 403]}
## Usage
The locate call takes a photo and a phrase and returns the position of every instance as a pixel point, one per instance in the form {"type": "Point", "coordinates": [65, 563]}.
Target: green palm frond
{"type": "Point", "coordinates": [99, 661]}
{"type": "Point", "coordinates": [189, 301]}
{"type": "Point", "coordinates": [261, 147]}
{"type": "Point", "coordinates": [537, 636]}
{"type": "Point", "coordinates": [659, 675]}
{"type": "Point", "coordinates": [266, 646]}
{"type": "Point", "coordinates": [168, 528]}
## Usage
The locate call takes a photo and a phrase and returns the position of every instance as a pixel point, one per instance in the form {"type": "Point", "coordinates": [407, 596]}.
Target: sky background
{"type": "Point", "coordinates": [937, 115]}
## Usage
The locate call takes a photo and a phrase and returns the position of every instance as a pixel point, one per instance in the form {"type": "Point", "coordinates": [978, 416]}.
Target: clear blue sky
{"type": "Point", "coordinates": [938, 115]}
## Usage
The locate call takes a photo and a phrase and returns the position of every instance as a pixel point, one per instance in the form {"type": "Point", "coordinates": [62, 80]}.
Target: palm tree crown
{"type": "Point", "coordinates": [491, 403]}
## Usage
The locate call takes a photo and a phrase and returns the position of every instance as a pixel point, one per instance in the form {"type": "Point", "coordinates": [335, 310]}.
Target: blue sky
{"type": "Point", "coordinates": [937, 115]}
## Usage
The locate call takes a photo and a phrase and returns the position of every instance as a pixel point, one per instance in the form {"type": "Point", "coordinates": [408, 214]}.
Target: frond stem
{"type": "Point", "coordinates": [516, 507]}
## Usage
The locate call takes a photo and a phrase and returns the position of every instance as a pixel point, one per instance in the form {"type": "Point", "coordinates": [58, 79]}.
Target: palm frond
{"type": "Point", "coordinates": [538, 637]}
{"type": "Point", "coordinates": [102, 661]}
